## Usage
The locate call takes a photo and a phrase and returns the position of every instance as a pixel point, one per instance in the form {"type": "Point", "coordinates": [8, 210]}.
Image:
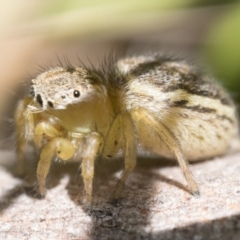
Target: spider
{"type": "Point", "coordinates": [168, 106]}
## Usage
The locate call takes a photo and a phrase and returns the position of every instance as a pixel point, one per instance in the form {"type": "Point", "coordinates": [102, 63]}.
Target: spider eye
{"type": "Point", "coordinates": [39, 100]}
{"type": "Point", "coordinates": [50, 104]}
{"type": "Point", "coordinates": [76, 93]}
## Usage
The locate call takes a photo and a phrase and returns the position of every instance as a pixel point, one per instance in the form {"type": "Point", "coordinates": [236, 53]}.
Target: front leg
{"type": "Point", "coordinates": [44, 128]}
{"type": "Point", "coordinates": [130, 153]}
{"type": "Point", "coordinates": [60, 147]}
{"type": "Point", "coordinates": [91, 147]}
{"type": "Point", "coordinates": [24, 124]}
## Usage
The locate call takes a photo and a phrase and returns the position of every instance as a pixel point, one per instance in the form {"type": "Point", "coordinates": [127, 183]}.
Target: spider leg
{"type": "Point", "coordinates": [114, 139]}
{"type": "Point", "coordinates": [170, 140]}
{"type": "Point", "coordinates": [90, 149]}
{"type": "Point", "coordinates": [44, 128]}
{"type": "Point", "coordinates": [24, 123]}
{"type": "Point", "coordinates": [130, 153]}
{"type": "Point", "coordinates": [60, 147]}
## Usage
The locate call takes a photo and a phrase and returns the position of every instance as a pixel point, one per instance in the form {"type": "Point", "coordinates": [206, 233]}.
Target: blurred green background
{"type": "Point", "coordinates": [36, 33]}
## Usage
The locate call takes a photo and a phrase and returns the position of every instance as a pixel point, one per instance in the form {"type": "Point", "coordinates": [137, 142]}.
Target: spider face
{"type": "Point", "coordinates": [58, 88]}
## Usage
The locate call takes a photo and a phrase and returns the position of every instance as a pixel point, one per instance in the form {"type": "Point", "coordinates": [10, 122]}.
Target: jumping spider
{"type": "Point", "coordinates": [168, 106]}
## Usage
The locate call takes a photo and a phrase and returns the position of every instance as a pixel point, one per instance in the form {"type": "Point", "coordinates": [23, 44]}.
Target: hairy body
{"type": "Point", "coordinates": [168, 106]}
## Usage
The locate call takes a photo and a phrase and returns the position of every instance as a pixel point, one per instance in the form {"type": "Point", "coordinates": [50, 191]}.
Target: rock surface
{"type": "Point", "coordinates": [155, 203]}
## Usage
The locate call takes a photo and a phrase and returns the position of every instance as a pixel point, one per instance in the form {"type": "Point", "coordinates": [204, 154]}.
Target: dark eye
{"type": "Point", "coordinates": [39, 100]}
{"type": "Point", "coordinates": [76, 93]}
{"type": "Point", "coordinates": [50, 104]}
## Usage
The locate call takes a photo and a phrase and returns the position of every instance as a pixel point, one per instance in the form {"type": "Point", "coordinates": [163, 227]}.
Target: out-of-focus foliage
{"type": "Point", "coordinates": [82, 18]}
{"type": "Point", "coordinates": [199, 3]}
{"type": "Point", "coordinates": [223, 51]}
{"type": "Point", "coordinates": [67, 19]}
{"type": "Point", "coordinates": [127, 6]}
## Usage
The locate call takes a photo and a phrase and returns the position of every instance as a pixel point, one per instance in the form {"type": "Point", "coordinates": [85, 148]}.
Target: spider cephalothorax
{"type": "Point", "coordinates": [58, 88]}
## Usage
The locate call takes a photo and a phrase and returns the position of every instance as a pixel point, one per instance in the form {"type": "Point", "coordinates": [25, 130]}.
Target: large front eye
{"type": "Point", "coordinates": [39, 100]}
{"type": "Point", "coordinates": [76, 93]}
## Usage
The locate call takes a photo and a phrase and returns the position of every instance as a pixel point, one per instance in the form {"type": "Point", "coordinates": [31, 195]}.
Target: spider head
{"type": "Point", "coordinates": [59, 87]}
